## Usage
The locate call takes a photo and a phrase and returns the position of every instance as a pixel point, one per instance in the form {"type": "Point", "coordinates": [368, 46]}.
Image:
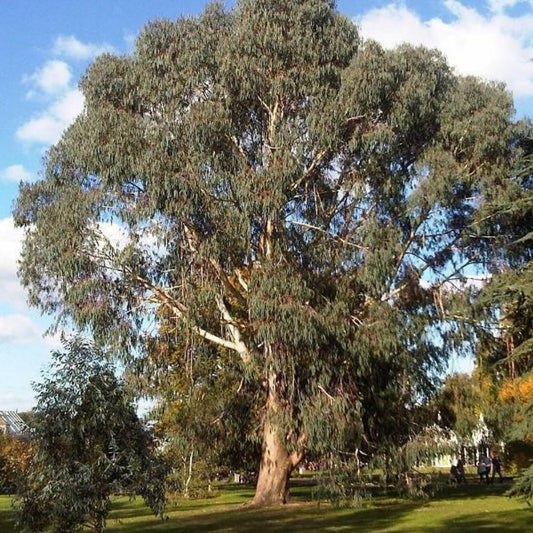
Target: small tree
{"type": "Point", "coordinates": [89, 444]}
{"type": "Point", "coordinates": [523, 487]}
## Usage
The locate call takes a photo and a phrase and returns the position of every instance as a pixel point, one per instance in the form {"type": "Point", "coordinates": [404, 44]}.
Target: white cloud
{"type": "Point", "coordinates": [11, 238]}
{"type": "Point", "coordinates": [494, 47]}
{"type": "Point", "coordinates": [458, 284]}
{"type": "Point", "coordinates": [19, 329]}
{"type": "Point", "coordinates": [48, 126]}
{"type": "Point", "coordinates": [497, 6]}
{"type": "Point", "coordinates": [54, 341]}
{"type": "Point", "coordinates": [54, 77]}
{"type": "Point", "coordinates": [15, 173]}
{"type": "Point", "coordinates": [16, 402]}
{"type": "Point", "coordinates": [53, 84]}
{"type": "Point", "coordinates": [41, 130]}
{"type": "Point", "coordinates": [68, 107]}
{"type": "Point", "coordinates": [70, 46]}
{"type": "Point", "coordinates": [22, 329]}
{"type": "Point", "coordinates": [113, 234]}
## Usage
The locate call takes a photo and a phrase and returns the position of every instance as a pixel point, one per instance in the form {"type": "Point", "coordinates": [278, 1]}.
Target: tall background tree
{"type": "Point", "coordinates": [203, 412]}
{"type": "Point", "coordinates": [458, 407]}
{"type": "Point", "coordinates": [289, 195]}
{"type": "Point", "coordinates": [505, 350]}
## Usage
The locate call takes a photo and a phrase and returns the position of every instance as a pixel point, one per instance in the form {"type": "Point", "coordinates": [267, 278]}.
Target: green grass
{"type": "Point", "coordinates": [6, 515]}
{"type": "Point", "coordinates": [465, 508]}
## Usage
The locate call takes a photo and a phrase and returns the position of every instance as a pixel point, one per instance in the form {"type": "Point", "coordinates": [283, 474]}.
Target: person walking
{"type": "Point", "coordinates": [460, 471]}
{"type": "Point", "coordinates": [481, 469]}
{"type": "Point", "coordinates": [488, 465]}
{"type": "Point", "coordinates": [496, 467]}
{"type": "Point", "coordinates": [453, 475]}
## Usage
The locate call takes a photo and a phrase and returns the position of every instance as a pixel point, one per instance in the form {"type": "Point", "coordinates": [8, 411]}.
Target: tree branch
{"type": "Point", "coordinates": [226, 282]}
{"type": "Point", "coordinates": [233, 330]}
{"type": "Point", "coordinates": [328, 233]}
{"type": "Point", "coordinates": [312, 167]}
{"type": "Point", "coordinates": [181, 311]}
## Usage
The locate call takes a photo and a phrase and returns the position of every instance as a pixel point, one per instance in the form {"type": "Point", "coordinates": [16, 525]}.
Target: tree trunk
{"type": "Point", "coordinates": [189, 474]}
{"type": "Point", "coordinates": [98, 523]}
{"type": "Point", "coordinates": [277, 463]}
{"type": "Point", "coordinates": [275, 470]}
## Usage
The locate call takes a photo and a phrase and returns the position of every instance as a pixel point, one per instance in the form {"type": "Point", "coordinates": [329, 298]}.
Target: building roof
{"type": "Point", "coordinates": [14, 423]}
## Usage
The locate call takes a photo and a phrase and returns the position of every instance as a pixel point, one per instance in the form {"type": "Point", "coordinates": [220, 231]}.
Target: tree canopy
{"type": "Point", "coordinates": [301, 200]}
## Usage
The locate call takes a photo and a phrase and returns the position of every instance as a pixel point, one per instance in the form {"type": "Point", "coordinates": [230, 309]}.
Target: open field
{"type": "Point", "coordinates": [466, 508]}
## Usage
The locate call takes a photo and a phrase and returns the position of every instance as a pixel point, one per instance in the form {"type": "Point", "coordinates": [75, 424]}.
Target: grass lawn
{"type": "Point", "coordinates": [466, 508]}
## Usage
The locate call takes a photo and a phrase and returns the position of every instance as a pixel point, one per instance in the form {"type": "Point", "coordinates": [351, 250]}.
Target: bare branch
{"type": "Point", "coordinates": [326, 392]}
{"type": "Point", "coordinates": [242, 281]}
{"type": "Point", "coordinates": [328, 233]}
{"type": "Point", "coordinates": [239, 148]}
{"type": "Point", "coordinates": [312, 167]}
{"type": "Point", "coordinates": [226, 282]}
{"type": "Point", "coordinates": [181, 311]}
{"type": "Point", "coordinates": [393, 293]}
{"type": "Point", "coordinates": [233, 330]}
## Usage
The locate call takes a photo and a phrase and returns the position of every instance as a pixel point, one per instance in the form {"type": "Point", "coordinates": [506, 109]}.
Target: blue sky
{"type": "Point", "coordinates": [47, 44]}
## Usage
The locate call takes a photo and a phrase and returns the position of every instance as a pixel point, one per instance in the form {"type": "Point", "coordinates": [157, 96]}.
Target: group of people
{"type": "Point", "coordinates": [484, 468]}
{"type": "Point", "coordinates": [485, 465]}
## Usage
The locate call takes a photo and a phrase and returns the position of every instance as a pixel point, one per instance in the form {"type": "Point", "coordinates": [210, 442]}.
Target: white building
{"type": "Point", "coordinates": [12, 424]}
{"type": "Point", "coordinates": [469, 449]}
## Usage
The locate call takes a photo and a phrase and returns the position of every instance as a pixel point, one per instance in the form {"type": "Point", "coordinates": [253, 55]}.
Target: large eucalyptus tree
{"type": "Point", "coordinates": [286, 192]}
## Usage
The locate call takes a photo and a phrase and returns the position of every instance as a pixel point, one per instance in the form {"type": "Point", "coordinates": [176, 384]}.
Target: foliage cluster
{"type": "Point", "coordinates": [505, 354]}
{"type": "Point", "coordinates": [203, 415]}
{"type": "Point", "coordinates": [458, 406]}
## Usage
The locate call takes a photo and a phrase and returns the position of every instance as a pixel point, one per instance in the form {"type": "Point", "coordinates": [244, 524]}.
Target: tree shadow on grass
{"type": "Point", "coordinates": [7, 521]}
{"type": "Point", "coordinates": [484, 520]}
{"type": "Point", "coordinates": [234, 495]}
{"type": "Point", "coordinates": [470, 491]}
{"type": "Point", "coordinates": [293, 517]}
{"type": "Point", "coordinates": [226, 513]}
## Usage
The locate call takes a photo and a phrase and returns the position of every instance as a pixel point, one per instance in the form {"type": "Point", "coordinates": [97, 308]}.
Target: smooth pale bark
{"type": "Point", "coordinates": [277, 463]}
{"type": "Point", "coordinates": [275, 470]}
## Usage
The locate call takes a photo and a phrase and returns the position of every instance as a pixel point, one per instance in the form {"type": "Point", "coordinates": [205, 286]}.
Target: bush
{"type": "Point", "coordinates": [15, 456]}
